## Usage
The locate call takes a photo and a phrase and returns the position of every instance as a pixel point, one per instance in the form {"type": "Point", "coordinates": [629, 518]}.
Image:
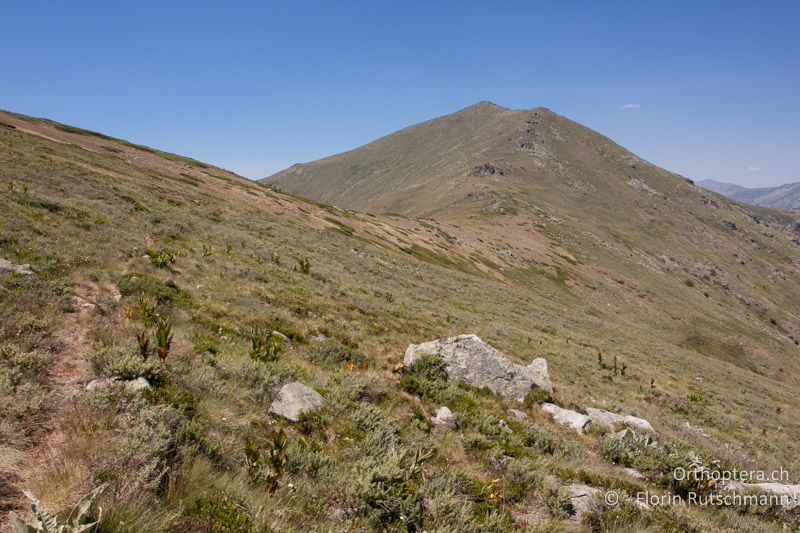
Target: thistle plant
{"type": "Point", "coordinates": [143, 340]}
{"type": "Point", "coordinates": [208, 251]}
{"type": "Point", "coordinates": [276, 460]}
{"type": "Point", "coordinates": [162, 259]}
{"type": "Point", "coordinates": [264, 348]}
{"type": "Point", "coordinates": [148, 311]}
{"type": "Point", "coordinates": [270, 466]}
{"type": "Point", "coordinates": [163, 339]}
{"type": "Point", "coordinates": [77, 521]}
{"type": "Point", "coordinates": [304, 264]}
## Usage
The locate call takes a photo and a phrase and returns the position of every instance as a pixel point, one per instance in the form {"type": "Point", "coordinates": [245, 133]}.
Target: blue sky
{"type": "Point", "coordinates": [707, 89]}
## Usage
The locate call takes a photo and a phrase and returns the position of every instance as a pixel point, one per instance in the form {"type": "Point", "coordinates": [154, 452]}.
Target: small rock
{"type": "Point", "coordinates": [632, 472]}
{"type": "Point", "coordinates": [132, 385]}
{"type": "Point", "coordinates": [100, 384]}
{"type": "Point", "coordinates": [319, 337]}
{"type": "Point", "coordinates": [476, 363]}
{"type": "Point", "coordinates": [611, 420]}
{"type": "Point", "coordinates": [283, 338]}
{"type": "Point", "coordinates": [137, 384]}
{"type": "Point", "coordinates": [295, 399]}
{"type": "Point", "coordinates": [519, 415]}
{"type": "Point", "coordinates": [581, 497]}
{"type": "Point", "coordinates": [504, 426]}
{"type": "Point", "coordinates": [444, 417]}
{"type": "Point", "coordinates": [565, 417]}
{"type": "Point", "coordinates": [83, 303]}
{"type": "Point", "coordinates": [7, 267]}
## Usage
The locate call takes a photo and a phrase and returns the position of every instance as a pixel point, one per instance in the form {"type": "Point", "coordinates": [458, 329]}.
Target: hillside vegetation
{"type": "Point", "coordinates": [551, 243]}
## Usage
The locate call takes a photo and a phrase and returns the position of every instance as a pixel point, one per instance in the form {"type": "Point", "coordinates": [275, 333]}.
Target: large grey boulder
{"type": "Point", "coordinates": [295, 399]}
{"type": "Point", "coordinates": [612, 420]}
{"type": "Point", "coordinates": [565, 417]}
{"type": "Point", "coordinates": [7, 267]}
{"type": "Point", "coordinates": [472, 361]}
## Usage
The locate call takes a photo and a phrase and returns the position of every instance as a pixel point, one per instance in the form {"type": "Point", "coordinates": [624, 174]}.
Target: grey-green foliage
{"type": "Point", "coordinates": [77, 521]}
{"type": "Point", "coordinates": [120, 361]}
{"type": "Point", "coordinates": [149, 451]}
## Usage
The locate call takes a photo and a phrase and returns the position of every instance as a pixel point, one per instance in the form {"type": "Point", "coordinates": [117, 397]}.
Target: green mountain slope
{"type": "Point", "coordinates": [694, 296]}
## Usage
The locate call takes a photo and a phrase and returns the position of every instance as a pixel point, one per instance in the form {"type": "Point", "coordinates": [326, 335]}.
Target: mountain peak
{"type": "Point", "coordinates": [486, 104]}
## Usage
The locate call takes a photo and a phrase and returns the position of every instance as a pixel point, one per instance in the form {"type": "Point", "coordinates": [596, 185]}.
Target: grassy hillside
{"type": "Point", "coordinates": [116, 233]}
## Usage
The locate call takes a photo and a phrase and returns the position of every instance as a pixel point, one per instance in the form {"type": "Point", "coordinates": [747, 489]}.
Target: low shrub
{"type": "Point", "coordinates": [217, 512]}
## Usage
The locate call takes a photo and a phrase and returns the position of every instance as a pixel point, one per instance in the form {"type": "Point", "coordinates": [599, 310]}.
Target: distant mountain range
{"type": "Point", "coordinates": [783, 197]}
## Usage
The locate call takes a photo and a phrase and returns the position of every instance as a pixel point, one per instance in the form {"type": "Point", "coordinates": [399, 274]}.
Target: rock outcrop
{"type": "Point", "coordinates": [565, 417]}
{"type": "Point", "coordinates": [611, 420]}
{"type": "Point", "coordinates": [476, 363]}
{"type": "Point", "coordinates": [295, 399]}
{"type": "Point", "coordinates": [7, 267]}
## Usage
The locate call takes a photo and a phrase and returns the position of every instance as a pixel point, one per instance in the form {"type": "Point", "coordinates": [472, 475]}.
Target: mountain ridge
{"type": "Point", "coordinates": [786, 196]}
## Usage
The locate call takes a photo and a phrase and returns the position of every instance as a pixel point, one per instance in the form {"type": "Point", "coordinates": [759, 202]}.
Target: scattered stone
{"type": "Point", "coordinates": [100, 384]}
{"type": "Point", "coordinates": [611, 420]}
{"type": "Point", "coordinates": [83, 303]}
{"type": "Point", "coordinates": [295, 399]}
{"type": "Point", "coordinates": [7, 267]}
{"type": "Point", "coordinates": [444, 417]}
{"type": "Point", "coordinates": [504, 426]}
{"type": "Point", "coordinates": [731, 225]}
{"type": "Point", "coordinates": [486, 169]}
{"type": "Point", "coordinates": [137, 384]}
{"type": "Point", "coordinates": [132, 385]}
{"type": "Point", "coordinates": [632, 472]}
{"type": "Point", "coordinates": [472, 361]}
{"type": "Point", "coordinates": [519, 415]}
{"type": "Point", "coordinates": [565, 417]}
{"type": "Point", "coordinates": [640, 186]}
{"type": "Point", "coordinates": [788, 495]}
{"type": "Point", "coordinates": [581, 497]}
{"type": "Point", "coordinates": [696, 430]}
{"type": "Point", "coordinates": [283, 338]}
{"type": "Point", "coordinates": [319, 337]}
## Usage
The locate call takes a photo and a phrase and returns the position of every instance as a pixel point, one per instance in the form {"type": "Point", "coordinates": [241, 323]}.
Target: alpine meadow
{"type": "Point", "coordinates": [494, 320]}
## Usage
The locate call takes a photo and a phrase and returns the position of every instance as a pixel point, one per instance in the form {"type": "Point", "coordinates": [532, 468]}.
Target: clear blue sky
{"type": "Point", "coordinates": [711, 87]}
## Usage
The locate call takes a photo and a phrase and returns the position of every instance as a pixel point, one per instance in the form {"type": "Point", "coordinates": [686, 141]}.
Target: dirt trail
{"type": "Point", "coordinates": [68, 374]}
